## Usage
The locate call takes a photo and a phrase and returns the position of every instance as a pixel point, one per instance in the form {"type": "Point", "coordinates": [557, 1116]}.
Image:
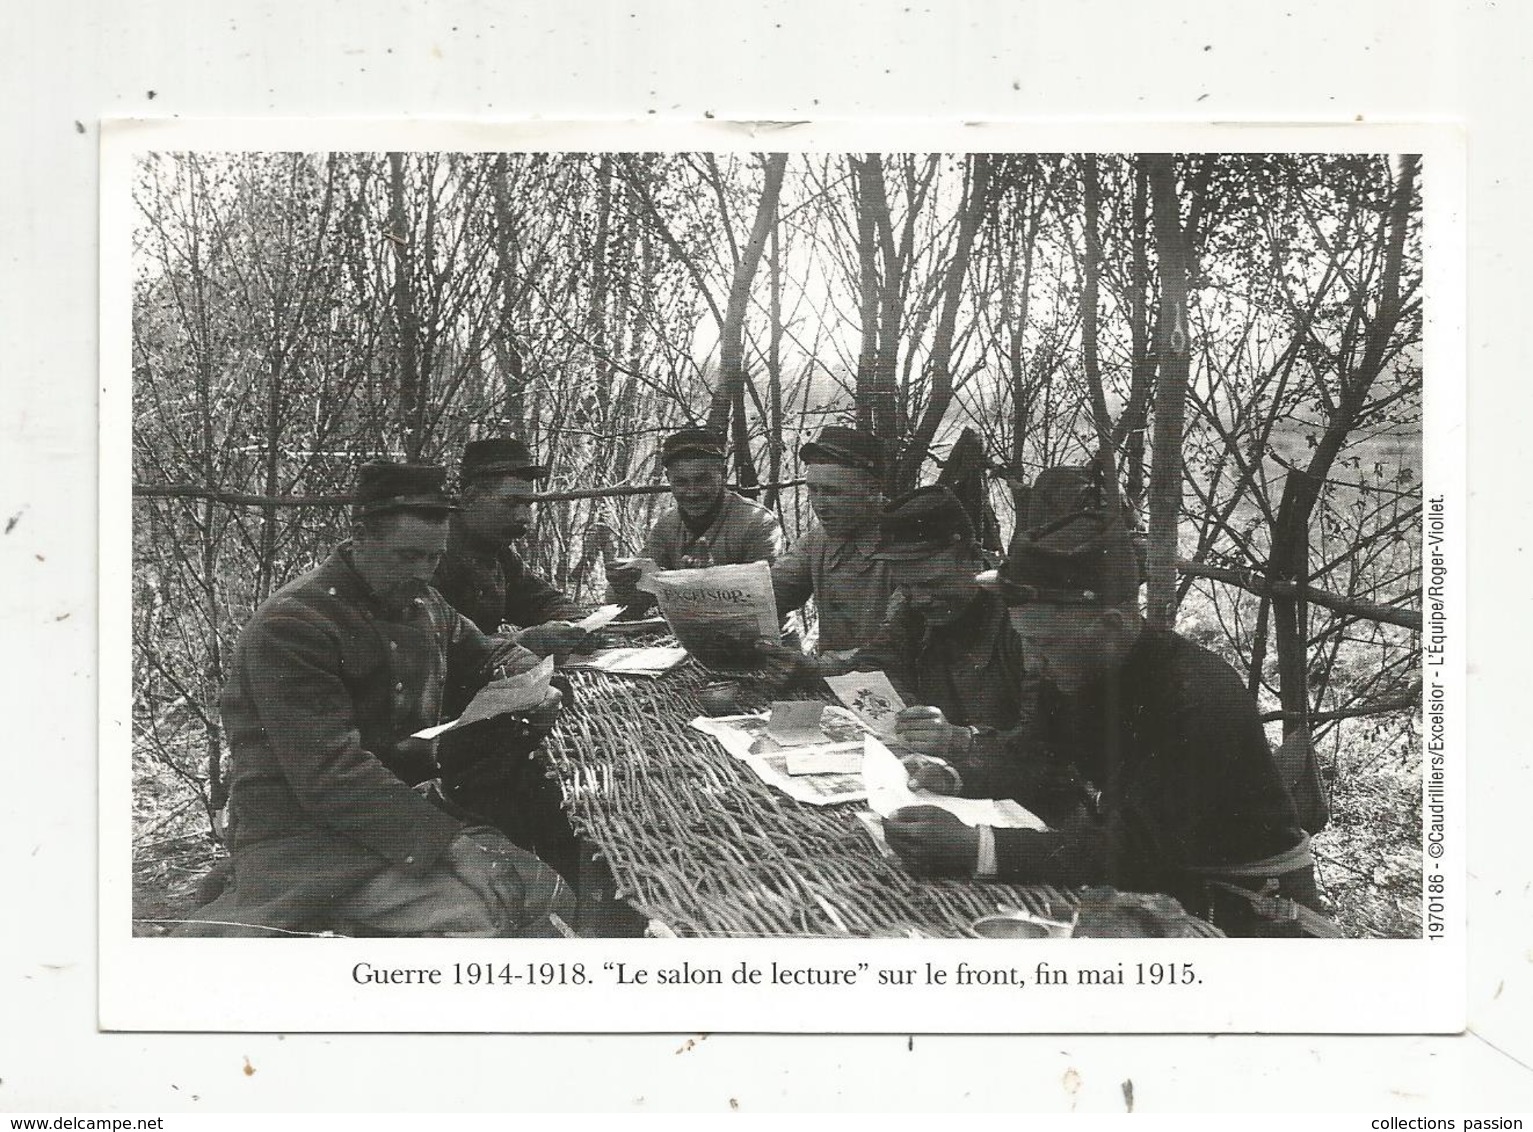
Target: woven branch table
{"type": "Point", "coordinates": [696, 841]}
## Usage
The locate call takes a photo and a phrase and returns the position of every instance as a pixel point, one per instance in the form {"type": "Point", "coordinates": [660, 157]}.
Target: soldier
{"type": "Point", "coordinates": [1191, 803]}
{"type": "Point", "coordinates": [948, 644]}
{"type": "Point", "coordinates": [835, 561]}
{"type": "Point", "coordinates": [707, 525]}
{"type": "Point", "coordinates": [329, 680]}
{"type": "Point", "coordinates": [482, 575]}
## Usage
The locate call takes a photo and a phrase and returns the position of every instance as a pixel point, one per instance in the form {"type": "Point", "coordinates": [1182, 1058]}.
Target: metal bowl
{"type": "Point", "coordinates": [720, 698]}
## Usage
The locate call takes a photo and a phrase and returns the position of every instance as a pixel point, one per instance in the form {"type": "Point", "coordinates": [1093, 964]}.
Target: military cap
{"type": "Point", "coordinates": [921, 523]}
{"type": "Point", "coordinates": [1084, 558]}
{"type": "Point", "coordinates": [849, 447]}
{"type": "Point", "coordinates": [691, 442]}
{"type": "Point", "coordinates": [499, 456]}
{"type": "Point", "coordinates": [1063, 490]}
{"type": "Point", "coordinates": [383, 486]}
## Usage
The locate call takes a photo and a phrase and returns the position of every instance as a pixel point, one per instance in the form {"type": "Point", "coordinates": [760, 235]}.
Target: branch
{"type": "Point", "coordinates": [1252, 582]}
{"type": "Point", "coordinates": [1382, 707]}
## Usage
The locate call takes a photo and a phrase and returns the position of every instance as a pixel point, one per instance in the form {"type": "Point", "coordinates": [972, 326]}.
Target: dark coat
{"type": "Point", "coordinates": [972, 669]}
{"type": "Point", "coordinates": [324, 682]}
{"type": "Point", "coordinates": [1187, 780]}
{"type": "Point", "coordinates": [493, 585]}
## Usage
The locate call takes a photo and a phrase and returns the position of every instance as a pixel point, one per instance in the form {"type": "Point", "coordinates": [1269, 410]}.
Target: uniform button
{"type": "Point", "coordinates": [400, 687]}
{"type": "Point", "coordinates": [331, 591]}
{"type": "Point", "coordinates": [410, 860]}
{"type": "Point", "coordinates": [394, 645]}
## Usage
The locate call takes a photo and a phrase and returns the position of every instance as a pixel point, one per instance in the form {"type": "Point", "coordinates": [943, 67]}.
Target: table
{"type": "Point", "coordinates": [696, 841]}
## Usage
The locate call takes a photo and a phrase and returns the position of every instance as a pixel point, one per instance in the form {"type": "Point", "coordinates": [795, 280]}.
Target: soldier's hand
{"type": "Point", "coordinates": [932, 841]}
{"type": "Point", "coordinates": [780, 664]}
{"type": "Point", "coordinates": [927, 730]}
{"type": "Point", "coordinates": [836, 662]}
{"type": "Point", "coordinates": [553, 638]}
{"type": "Point", "coordinates": [414, 758]}
{"type": "Point", "coordinates": [933, 774]}
{"type": "Point", "coordinates": [507, 658]}
{"type": "Point", "coordinates": [546, 714]}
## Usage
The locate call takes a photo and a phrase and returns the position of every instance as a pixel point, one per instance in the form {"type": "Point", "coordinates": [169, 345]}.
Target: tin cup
{"type": "Point", "coordinates": [722, 697]}
{"type": "Point", "coordinates": [1019, 925]}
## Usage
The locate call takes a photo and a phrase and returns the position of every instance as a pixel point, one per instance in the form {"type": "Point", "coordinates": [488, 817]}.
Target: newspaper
{"type": "Point", "coordinates": [718, 613]}
{"type": "Point", "coordinates": [652, 661]}
{"type": "Point", "coordinates": [887, 784]}
{"type": "Point", "coordinates": [521, 692]}
{"type": "Point", "coordinates": [745, 737]}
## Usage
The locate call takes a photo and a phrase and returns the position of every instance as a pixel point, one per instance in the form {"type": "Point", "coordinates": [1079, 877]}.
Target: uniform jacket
{"type": "Point", "coordinates": [741, 531]}
{"type": "Point", "coordinates": [324, 682]}
{"type": "Point", "coordinates": [971, 668]}
{"type": "Point", "coordinates": [491, 585]}
{"type": "Point", "coordinates": [851, 589]}
{"type": "Point", "coordinates": [1187, 779]}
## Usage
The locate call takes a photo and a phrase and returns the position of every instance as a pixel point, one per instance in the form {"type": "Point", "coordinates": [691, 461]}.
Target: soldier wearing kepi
{"type": "Point", "coordinates": [948, 644]}
{"type": "Point", "coordinates": [329, 680]}
{"type": "Point", "coordinates": [482, 575]}
{"type": "Point", "coordinates": [835, 561]}
{"type": "Point", "coordinates": [1191, 803]}
{"type": "Point", "coordinates": [707, 524]}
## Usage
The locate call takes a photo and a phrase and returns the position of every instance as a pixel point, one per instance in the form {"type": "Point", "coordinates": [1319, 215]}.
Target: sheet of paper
{"type": "Point", "coordinates": [651, 661]}
{"type": "Point", "coordinates": [888, 787]}
{"type": "Point", "coordinates": [745, 737]}
{"type": "Point", "coordinates": [796, 723]}
{"type": "Point", "coordinates": [870, 697]}
{"type": "Point", "coordinates": [600, 618]}
{"type": "Point", "coordinates": [521, 692]}
{"type": "Point", "coordinates": [841, 758]}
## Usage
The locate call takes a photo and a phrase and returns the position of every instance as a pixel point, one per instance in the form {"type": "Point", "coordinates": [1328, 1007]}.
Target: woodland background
{"type": "Point", "coordinates": [1237, 338]}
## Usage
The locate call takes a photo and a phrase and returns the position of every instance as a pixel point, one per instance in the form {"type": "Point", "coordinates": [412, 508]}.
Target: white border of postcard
{"type": "Point", "coordinates": [786, 985]}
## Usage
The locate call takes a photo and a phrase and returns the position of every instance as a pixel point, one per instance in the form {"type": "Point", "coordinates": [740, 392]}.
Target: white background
{"type": "Point", "coordinates": [74, 63]}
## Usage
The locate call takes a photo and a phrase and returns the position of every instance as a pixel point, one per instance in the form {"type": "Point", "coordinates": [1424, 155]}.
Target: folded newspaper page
{"type": "Point", "coordinates": [745, 737]}
{"type": "Point", "coordinates": [888, 789]}
{"type": "Point", "coordinates": [521, 692]}
{"type": "Point", "coordinates": [718, 613]}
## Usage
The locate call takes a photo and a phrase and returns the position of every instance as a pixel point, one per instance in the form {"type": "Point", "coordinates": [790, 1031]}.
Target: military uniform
{"type": "Point", "coordinates": [851, 588]}
{"type": "Point", "coordinates": [739, 531]}
{"type": "Point", "coordinates": [1189, 801]}
{"type": "Point", "coordinates": [1187, 782]}
{"type": "Point", "coordinates": [324, 683]}
{"type": "Point", "coordinates": [493, 585]}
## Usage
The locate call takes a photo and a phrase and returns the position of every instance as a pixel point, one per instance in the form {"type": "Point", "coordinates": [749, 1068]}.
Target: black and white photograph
{"type": "Point", "coordinates": [480, 498]}
{"type": "Point", "coordinates": [863, 558]}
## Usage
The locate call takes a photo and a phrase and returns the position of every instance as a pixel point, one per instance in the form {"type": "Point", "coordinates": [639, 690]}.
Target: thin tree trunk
{"type": "Point", "coordinates": [774, 365]}
{"type": "Point", "coordinates": [940, 361]}
{"type": "Point", "coordinates": [1106, 457]}
{"type": "Point", "coordinates": [731, 385]}
{"type": "Point", "coordinates": [1289, 559]}
{"type": "Point", "coordinates": [1170, 394]}
{"type": "Point", "coordinates": [407, 330]}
